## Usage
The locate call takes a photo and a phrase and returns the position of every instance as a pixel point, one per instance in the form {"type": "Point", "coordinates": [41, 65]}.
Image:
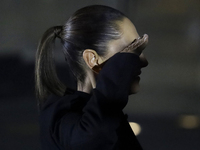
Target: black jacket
{"type": "Point", "coordinates": [81, 121]}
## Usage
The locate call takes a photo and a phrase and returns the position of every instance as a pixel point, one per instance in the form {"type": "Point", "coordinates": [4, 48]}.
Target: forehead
{"type": "Point", "coordinates": [129, 32]}
{"type": "Point", "coordinates": [128, 35]}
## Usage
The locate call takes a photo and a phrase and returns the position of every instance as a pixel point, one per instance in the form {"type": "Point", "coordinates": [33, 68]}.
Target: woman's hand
{"type": "Point", "coordinates": [137, 46]}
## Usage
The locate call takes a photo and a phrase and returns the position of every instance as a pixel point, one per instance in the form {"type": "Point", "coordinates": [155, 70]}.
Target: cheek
{"type": "Point", "coordinates": [114, 47]}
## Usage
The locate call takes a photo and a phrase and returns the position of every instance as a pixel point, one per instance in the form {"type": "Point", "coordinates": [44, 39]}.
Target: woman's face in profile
{"type": "Point", "coordinates": [129, 34]}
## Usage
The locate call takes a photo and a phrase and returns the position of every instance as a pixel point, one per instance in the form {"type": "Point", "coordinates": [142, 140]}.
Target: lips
{"type": "Point", "coordinates": [139, 72]}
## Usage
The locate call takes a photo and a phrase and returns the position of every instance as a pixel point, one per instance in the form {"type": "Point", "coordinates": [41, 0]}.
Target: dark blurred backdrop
{"type": "Point", "coordinates": [168, 106]}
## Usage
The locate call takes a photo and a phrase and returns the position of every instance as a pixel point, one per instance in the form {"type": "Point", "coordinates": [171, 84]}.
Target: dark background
{"type": "Point", "coordinates": [170, 85]}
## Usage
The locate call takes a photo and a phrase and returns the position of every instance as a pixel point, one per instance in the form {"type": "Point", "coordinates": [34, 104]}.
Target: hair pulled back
{"type": "Point", "coordinates": [91, 27]}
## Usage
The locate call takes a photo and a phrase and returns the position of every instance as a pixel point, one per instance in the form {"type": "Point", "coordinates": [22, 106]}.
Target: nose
{"type": "Point", "coordinates": [143, 60]}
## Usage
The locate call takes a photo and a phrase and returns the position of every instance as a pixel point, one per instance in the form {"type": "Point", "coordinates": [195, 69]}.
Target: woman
{"type": "Point", "coordinates": [104, 53]}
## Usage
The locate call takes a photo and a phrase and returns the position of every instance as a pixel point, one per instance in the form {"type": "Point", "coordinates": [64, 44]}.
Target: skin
{"type": "Point", "coordinates": [128, 35]}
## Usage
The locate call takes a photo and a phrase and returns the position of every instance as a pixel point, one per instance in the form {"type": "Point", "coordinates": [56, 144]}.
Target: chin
{"type": "Point", "coordinates": [134, 90]}
{"type": "Point", "coordinates": [135, 87]}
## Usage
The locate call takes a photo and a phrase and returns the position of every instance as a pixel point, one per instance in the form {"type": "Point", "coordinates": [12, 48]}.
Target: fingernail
{"type": "Point", "coordinates": [133, 41]}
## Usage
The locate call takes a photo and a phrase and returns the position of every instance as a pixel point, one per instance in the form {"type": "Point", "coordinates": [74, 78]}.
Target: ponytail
{"type": "Point", "coordinates": [46, 79]}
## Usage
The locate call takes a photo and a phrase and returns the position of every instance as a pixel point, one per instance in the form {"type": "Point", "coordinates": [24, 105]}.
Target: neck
{"type": "Point", "coordinates": [88, 84]}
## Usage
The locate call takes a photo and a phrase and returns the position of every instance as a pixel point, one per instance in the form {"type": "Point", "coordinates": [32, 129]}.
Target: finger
{"type": "Point", "coordinates": [138, 45]}
{"type": "Point", "coordinates": [141, 44]}
{"type": "Point", "coordinates": [143, 41]}
{"type": "Point", "coordinates": [131, 47]}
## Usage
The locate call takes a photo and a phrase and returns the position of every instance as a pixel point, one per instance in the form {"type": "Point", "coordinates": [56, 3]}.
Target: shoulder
{"type": "Point", "coordinates": [56, 107]}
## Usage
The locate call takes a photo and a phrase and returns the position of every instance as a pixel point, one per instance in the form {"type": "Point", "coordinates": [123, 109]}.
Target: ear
{"type": "Point", "coordinates": [91, 58]}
